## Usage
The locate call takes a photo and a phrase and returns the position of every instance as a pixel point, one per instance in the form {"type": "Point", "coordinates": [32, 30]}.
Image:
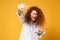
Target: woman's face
{"type": "Point", "coordinates": [33, 15]}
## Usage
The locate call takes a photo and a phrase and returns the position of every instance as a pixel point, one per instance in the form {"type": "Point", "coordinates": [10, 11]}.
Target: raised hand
{"type": "Point", "coordinates": [22, 6]}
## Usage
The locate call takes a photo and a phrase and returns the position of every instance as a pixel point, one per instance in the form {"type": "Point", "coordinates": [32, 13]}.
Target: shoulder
{"type": "Point", "coordinates": [25, 23]}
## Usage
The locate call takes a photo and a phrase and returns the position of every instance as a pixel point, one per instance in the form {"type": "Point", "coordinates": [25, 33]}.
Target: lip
{"type": "Point", "coordinates": [34, 17]}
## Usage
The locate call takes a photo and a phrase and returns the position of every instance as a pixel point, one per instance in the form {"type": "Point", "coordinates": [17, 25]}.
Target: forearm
{"type": "Point", "coordinates": [41, 34]}
{"type": "Point", "coordinates": [19, 12]}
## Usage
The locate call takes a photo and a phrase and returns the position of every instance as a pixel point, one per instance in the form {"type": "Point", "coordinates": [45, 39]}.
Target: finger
{"type": "Point", "coordinates": [20, 6]}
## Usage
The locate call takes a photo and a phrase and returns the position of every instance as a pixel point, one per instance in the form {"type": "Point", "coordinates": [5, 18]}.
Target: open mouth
{"type": "Point", "coordinates": [34, 17]}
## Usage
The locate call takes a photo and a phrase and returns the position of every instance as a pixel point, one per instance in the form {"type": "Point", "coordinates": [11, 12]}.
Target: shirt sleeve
{"type": "Point", "coordinates": [21, 16]}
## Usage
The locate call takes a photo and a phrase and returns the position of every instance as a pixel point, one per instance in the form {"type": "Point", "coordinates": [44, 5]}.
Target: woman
{"type": "Point", "coordinates": [31, 23]}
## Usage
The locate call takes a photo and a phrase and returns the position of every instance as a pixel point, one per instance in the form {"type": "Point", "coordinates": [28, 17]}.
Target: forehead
{"type": "Point", "coordinates": [34, 11]}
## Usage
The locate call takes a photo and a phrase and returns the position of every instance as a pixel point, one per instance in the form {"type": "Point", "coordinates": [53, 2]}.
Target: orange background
{"type": "Point", "coordinates": [10, 25]}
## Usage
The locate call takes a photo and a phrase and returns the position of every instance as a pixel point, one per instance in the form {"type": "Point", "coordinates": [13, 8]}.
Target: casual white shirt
{"type": "Point", "coordinates": [28, 30]}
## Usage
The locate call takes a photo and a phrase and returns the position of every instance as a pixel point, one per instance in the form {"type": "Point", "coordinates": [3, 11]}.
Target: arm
{"type": "Point", "coordinates": [40, 32]}
{"type": "Point", "coordinates": [21, 15]}
{"type": "Point", "coordinates": [19, 12]}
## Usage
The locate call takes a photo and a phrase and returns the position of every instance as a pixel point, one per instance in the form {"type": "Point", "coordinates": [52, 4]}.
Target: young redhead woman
{"type": "Point", "coordinates": [31, 23]}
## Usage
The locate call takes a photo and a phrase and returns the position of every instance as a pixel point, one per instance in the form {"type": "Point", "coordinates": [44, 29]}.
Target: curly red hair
{"type": "Point", "coordinates": [40, 18]}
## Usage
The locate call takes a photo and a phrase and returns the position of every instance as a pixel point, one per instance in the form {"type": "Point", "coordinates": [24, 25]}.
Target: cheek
{"type": "Point", "coordinates": [32, 15]}
{"type": "Point", "coordinates": [36, 16]}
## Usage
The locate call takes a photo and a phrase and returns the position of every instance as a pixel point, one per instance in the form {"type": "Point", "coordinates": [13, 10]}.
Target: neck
{"type": "Point", "coordinates": [32, 21]}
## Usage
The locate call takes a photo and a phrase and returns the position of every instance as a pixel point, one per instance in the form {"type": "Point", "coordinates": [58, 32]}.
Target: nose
{"type": "Point", "coordinates": [35, 16]}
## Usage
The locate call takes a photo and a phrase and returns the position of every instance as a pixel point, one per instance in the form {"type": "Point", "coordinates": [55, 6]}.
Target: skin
{"type": "Point", "coordinates": [33, 15]}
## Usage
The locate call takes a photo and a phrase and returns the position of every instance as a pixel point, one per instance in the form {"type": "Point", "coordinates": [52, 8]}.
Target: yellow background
{"type": "Point", "coordinates": [10, 25]}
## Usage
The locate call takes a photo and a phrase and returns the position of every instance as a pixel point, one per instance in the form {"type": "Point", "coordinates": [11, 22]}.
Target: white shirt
{"type": "Point", "coordinates": [28, 30]}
